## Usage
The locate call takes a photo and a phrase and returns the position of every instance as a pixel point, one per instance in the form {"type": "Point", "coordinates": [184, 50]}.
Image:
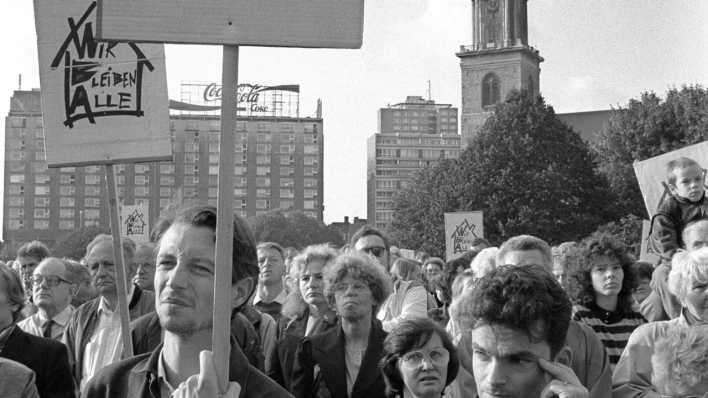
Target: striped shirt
{"type": "Point", "coordinates": [613, 328]}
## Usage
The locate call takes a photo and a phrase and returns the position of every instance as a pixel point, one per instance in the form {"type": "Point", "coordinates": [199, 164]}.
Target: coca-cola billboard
{"type": "Point", "coordinates": [252, 99]}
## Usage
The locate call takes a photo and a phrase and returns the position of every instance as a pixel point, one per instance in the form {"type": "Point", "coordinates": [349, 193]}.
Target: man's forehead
{"type": "Point", "coordinates": [25, 260]}
{"type": "Point", "coordinates": [524, 257]}
{"type": "Point", "coordinates": [102, 250]}
{"type": "Point", "coordinates": [182, 239]}
{"type": "Point", "coordinates": [503, 341]}
{"type": "Point", "coordinates": [269, 252]}
{"type": "Point", "coordinates": [369, 241]}
{"type": "Point", "coordinates": [50, 266]}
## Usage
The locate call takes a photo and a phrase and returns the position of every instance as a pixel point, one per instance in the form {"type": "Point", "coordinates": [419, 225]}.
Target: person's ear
{"type": "Point", "coordinates": [672, 188]}
{"type": "Point", "coordinates": [241, 291]}
{"type": "Point", "coordinates": [564, 356]}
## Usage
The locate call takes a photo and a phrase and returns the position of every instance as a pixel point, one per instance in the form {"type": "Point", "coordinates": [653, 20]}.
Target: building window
{"type": "Point", "coordinates": [262, 204]}
{"type": "Point", "coordinates": [263, 192]}
{"type": "Point", "coordinates": [17, 201]}
{"type": "Point", "coordinates": [213, 170]}
{"type": "Point", "coordinates": [16, 224]}
{"type": "Point", "coordinates": [240, 170]}
{"type": "Point", "coordinates": [41, 190]}
{"type": "Point", "coordinates": [286, 204]}
{"type": "Point", "coordinates": [263, 170]}
{"type": "Point", "coordinates": [67, 191]}
{"type": "Point", "coordinates": [310, 193]}
{"type": "Point", "coordinates": [262, 159]}
{"type": "Point", "coordinates": [240, 192]}
{"type": "Point", "coordinates": [213, 192]}
{"type": "Point", "coordinates": [41, 213]}
{"type": "Point", "coordinates": [17, 178]}
{"type": "Point", "coordinates": [41, 202]}
{"type": "Point", "coordinates": [165, 192]}
{"type": "Point", "coordinates": [308, 204]}
{"type": "Point", "coordinates": [41, 224]}
{"type": "Point", "coordinates": [167, 168]}
{"type": "Point", "coordinates": [490, 89]}
{"type": "Point", "coordinates": [92, 191]}
{"type": "Point", "coordinates": [91, 214]}
{"type": "Point", "coordinates": [287, 182]}
{"type": "Point", "coordinates": [287, 193]}
{"type": "Point", "coordinates": [66, 213]}
{"type": "Point", "coordinates": [167, 180]}
{"type": "Point", "coordinates": [92, 202]}
{"type": "Point", "coordinates": [262, 182]}
{"type": "Point", "coordinates": [141, 191]}
{"type": "Point", "coordinates": [66, 224]}
{"type": "Point", "coordinates": [66, 202]}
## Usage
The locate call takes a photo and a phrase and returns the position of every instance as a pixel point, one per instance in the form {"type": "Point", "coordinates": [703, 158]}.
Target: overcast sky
{"type": "Point", "coordinates": [597, 54]}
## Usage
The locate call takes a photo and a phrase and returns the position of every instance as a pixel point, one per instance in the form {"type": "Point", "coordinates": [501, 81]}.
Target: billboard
{"type": "Point", "coordinates": [461, 228]}
{"type": "Point", "coordinates": [252, 99]}
{"type": "Point", "coordinates": [101, 102]}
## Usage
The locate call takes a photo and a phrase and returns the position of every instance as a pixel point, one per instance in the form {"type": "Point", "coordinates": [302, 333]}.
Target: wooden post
{"type": "Point", "coordinates": [221, 332]}
{"type": "Point", "coordinates": [120, 266]}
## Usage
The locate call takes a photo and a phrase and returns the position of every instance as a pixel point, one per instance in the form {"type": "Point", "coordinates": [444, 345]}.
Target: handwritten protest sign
{"type": "Point", "coordinates": [134, 220]}
{"type": "Point", "coordinates": [652, 172]}
{"type": "Point", "coordinates": [101, 102]}
{"type": "Point", "coordinates": [461, 229]}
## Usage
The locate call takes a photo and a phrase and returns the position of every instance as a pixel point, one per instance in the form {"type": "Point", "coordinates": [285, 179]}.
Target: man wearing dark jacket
{"type": "Point", "coordinates": [184, 289]}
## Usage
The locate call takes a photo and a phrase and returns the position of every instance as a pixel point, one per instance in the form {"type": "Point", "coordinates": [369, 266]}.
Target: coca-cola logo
{"type": "Point", "coordinates": [245, 92]}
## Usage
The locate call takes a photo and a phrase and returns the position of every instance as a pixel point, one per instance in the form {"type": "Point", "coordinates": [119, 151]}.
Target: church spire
{"type": "Point", "coordinates": [499, 24]}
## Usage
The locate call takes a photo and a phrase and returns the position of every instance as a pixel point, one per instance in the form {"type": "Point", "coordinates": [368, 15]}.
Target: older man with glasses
{"type": "Point", "coordinates": [51, 293]}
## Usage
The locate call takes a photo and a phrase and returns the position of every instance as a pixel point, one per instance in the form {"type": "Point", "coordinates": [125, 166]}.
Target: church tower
{"type": "Point", "coordinates": [498, 61]}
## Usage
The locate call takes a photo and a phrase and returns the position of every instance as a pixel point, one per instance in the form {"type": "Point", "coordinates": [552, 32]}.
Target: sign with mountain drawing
{"type": "Point", "coordinates": [461, 229]}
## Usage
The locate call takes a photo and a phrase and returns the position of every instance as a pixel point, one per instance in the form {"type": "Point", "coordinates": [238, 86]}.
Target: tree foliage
{"type": "Point", "coordinates": [74, 244]}
{"type": "Point", "coordinates": [627, 230]}
{"type": "Point", "coordinates": [647, 127]}
{"type": "Point", "coordinates": [525, 169]}
{"type": "Point", "coordinates": [292, 229]}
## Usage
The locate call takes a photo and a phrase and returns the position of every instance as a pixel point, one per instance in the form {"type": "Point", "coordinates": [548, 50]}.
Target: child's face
{"type": "Point", "coordinates": [689, 183]}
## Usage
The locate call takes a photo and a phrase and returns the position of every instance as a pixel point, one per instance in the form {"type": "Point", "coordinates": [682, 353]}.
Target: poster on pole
{"type": "Point", "coordinates": [461, 228]}
{"type": "Point", "coordinates": [102, 103]}
{"type": "Point", "coordinates": [273, 23]}
{"type": "Point", "coordinates": [651, 173]}
{"type": "Point", "coordinates": [135, 222]}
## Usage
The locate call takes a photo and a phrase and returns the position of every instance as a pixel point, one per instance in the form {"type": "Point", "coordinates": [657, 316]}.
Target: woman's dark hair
{"type": "Point", "coordinates": [592, 247]}
{"type": "Point", "coordinates": [411, 334]}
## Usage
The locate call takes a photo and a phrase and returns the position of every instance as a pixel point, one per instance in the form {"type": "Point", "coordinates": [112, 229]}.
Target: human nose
{"type": "Point", "coordinates": [178, 276]}
{"type": "Point", "coordinates": [496, 376]}
{"type": "Point", "coordinates": [426, 362]}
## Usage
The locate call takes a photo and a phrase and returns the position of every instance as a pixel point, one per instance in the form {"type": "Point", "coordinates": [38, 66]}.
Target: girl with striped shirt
{"type": "Point", "coordinates": [605, 279]}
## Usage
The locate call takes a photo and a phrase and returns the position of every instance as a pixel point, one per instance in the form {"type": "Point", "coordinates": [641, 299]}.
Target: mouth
{"type": "Point", "coordinates": [172, 300]}
{"type": "Point", "coordinates": [429, 379]}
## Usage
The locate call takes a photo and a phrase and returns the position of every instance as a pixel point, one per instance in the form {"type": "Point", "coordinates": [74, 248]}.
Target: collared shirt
{"type": "Point", "coordinates": [104, 347]}
{"type": "Point", "coordinates": [35, 323]}
{"type": "Point", "coordinates": [4, 335]}
{"type": "Point", "coordinates": [281, 298]}
{"type": "Point", "coordinates": [166, 388]}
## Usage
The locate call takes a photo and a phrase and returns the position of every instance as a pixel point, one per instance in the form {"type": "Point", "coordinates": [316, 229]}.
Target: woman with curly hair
{"type": "Point", "coordinates": [604, 300]}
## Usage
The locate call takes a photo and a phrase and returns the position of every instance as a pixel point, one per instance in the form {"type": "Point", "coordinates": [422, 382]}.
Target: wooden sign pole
{"type": "Point", "coordinates": [120, 266]}
{"type": "Point", "coordinates": [221, 332]}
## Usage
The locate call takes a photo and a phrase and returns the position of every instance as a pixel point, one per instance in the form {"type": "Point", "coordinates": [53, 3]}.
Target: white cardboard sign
{"type": "Point", "coordinates": [135, 222]}
{"type": "Point", "coordinates": [274, 23]}
{"type": "Point", "coordinates": [461, 228]}
{"type": "Point", "coordinates": [652, 172]}
{"type": "Point", "coordinates": [101, 102]}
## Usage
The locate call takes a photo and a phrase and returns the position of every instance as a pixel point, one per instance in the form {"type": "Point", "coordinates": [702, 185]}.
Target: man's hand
{"type": "Point", "coordinates": [565, 383]}
{"type": "Point", "coordinates": [204, 385]}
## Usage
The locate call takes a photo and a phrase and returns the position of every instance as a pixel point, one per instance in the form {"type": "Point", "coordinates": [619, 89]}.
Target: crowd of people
{"type": "Point", "coordinates": [521, 319]}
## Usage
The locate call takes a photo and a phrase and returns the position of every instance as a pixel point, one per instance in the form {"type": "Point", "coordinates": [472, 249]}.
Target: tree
{"type": "Point", "coordinates": [627, 230]}
{"type": "Point", "coordinates": [525, 169]}
{"type": "Point", "coordinates": [644, 128]}
{"type": "Point", "coordinates": [74, 244]}
{"type": "Point", "coordinates": [293, 229]}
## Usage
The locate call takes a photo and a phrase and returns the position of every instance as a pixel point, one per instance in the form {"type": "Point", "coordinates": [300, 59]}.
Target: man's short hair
{"type": "Point", "coordinates": [678, 164]}
{"type": "Point", "coordinates": [691, 225]}
{"type": "Point", "coordinates": [526, 243]}
{"type": "Point", "coordinates": [367, 230]}
{"type": "Point", "coordinates": [679, 362]}
{"type": "Point", "coordinates": [362, 267]}
{"type": "Point", "coordinates": [271, 246]}
{"type": "Point", "coordinates": [15, 293]}
{"type": "Point", "coordinates": [76, 272]}
{"type": "Point", "coordinates": [520, 298]}
{"type": "Point", "coordinates": [244, 261]}
{"type": "Point", "coordinates": [34, 249]}
{"type": "Point", "coordinates": [128, 245]}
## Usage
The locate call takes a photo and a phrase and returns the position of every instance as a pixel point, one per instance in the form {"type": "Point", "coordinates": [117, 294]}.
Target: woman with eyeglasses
{"type": "Point", "coordinates": [342, 362]}
{"type": "Point", "coordinates": [306, 311]}
{"type": "Point", "coordinates": [635, 371]}
{"type": "Point", "coordinates": [420, 360]}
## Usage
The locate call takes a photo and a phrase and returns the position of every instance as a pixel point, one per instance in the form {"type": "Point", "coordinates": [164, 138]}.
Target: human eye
{"type": "Point", "coordinates": [202, 269]}
{"type": "Point", "coordinates": [414, 356]}
{"type": "Point", "coordinates": [305, 278]}
{"type": "Point", "coordinates": [480, 354]}
{"type": "Point", "coordinates": [436, 355]}
{"type": "Point", "coordinates": [699, 286]}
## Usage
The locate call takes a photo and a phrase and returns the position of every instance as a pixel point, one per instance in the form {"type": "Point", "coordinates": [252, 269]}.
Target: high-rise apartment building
{"type": "Point", "coordinates": [411, 135]}
{"type": "Point", "coordinates": [278, 165]}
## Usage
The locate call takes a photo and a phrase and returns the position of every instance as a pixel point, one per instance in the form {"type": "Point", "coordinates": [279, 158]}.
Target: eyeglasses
{"type": "Point", "coordinates": [52, 280]}
{"type": "Point", "coordinates": [436, 357]}
{"type": "Point", "coordinates": [376, 251]}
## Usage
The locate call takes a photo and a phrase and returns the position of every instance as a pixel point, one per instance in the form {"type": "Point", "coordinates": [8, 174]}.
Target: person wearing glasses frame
{"type": "Point", "coordinates": [51, 293]}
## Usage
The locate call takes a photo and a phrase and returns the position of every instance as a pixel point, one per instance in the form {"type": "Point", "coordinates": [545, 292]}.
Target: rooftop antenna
{"type": "Point", "coordinates": [430, 94]}
{"type": "Point", "coordinates": [20, 82]}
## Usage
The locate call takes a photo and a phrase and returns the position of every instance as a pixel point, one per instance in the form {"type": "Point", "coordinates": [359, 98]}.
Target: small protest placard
{"type": "Point", "coordinates": [461, 229]}
{"type": "Point", "coordinates": [135, 222]}
{"type": "Point", "coordinates": [101, 102]}
{"type": "Point", "coordinates": [652, 172]}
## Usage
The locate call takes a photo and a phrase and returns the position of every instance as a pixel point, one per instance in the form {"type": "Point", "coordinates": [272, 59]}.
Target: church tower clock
{"type": "Point", "coordinates": [498, 60]}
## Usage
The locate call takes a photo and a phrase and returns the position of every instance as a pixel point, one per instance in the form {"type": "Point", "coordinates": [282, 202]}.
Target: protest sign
{"type": "Point", "coordinates": [274, 23]}
{"type": "Point", "coordinates": [461, 229]}
{"type": "Point", "coordinates": [101, 102]}
{"type": "Point", "coordinates": [134, 221]}
{"type": "Point", "coordinates": [651, 173]}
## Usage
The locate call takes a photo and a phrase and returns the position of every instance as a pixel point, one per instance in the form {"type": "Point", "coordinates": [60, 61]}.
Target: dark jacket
{"type": "Point", "coordinates": [47, 358]}
{"type": "Point", "coordinates": [136, 377]}
{"type": "Point", "coordinates": [83, 323]}
{"type": "Point", "coordinates": [667, 224]}
{"type": "Point", "coordinates": [290, 333]}
{"type": "Point", "coordinates": [146, 334]}
{"type": "Point", "coordinates": [326, 351]}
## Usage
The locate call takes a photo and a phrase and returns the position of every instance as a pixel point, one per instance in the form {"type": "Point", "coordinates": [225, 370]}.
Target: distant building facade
{"type": "Point", "coordinates": [498, 60]}
{"type": "Point", "coordinates": [278, 165]}
{"type": "Point", "coordinates": [347, 229]}
{"type": "Point", "coordinates": [411, 135]}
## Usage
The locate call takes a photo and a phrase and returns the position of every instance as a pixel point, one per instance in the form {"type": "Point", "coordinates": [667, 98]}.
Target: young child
{"type": "Point", "coordinates": [686, 202]}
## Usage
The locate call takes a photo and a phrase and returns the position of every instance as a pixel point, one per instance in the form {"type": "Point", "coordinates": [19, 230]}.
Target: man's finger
{"type": "Point", "coordinates": [207, 373]}
{"type": "Point", "coordinates": [559, 371]}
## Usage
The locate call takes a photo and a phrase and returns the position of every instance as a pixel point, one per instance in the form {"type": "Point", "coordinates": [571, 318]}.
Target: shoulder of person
{"type": "Point", "coordinates": [258, 385]}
